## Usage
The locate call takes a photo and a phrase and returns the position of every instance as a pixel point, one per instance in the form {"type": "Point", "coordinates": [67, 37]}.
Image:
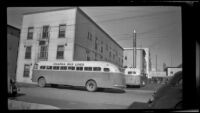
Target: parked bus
{"type": "Point", "coordinates": [134, 77]}
{"type": "Point", "coordinates": [91, 74]}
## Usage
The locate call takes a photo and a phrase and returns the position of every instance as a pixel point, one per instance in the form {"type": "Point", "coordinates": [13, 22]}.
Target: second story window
{"type": "Point", "coordinates": [60, 52]}
{"type": "Point", "coordinates": [62, 28]}
{"type": "Point", "coordinates": [28, 52]}
{"type": "Point", "coordinates": [43, 52]}
{"type": "Point", "coordinates": [45, 32]}
{"type": "Point", "coordinates": [30, 33]}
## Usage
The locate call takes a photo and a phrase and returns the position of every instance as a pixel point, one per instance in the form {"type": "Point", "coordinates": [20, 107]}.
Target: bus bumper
{"type": "Point", "coordinates": [119, 86]}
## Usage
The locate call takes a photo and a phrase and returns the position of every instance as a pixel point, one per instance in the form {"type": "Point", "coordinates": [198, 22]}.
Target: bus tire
{"type": "Point", "coordinates": [41, 82]}
{"type": "Point", "coordinates": [91, 85]}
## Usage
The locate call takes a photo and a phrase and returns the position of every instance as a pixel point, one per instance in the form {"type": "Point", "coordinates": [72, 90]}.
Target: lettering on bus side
{"type": "Point", "coordinates": [79, 64]}
{"type": "Point", "coordinates": [59, 64]}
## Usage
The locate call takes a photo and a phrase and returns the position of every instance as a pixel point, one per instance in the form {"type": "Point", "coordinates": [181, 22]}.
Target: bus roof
{"type": "Point", "coordinates": [77, 63]}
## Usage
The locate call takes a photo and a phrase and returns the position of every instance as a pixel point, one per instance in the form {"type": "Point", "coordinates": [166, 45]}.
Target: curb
{"type": "Point", "coordinates": [20, 105]}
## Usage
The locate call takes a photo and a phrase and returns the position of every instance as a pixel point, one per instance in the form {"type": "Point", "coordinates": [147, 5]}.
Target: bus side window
{"type": "Point", "coordinates": [63, 68]}
{"type": "Point", "coordinates": [134, 72]}
{"type": "Point", "coordinates": [49, 67]}
{"type": "Point", "coordinates": [96, 69]}
{"type": "Point", "coordinates": [129, 72]}
{"type": "Point", "coordinates": [79, 68]}
{"type": "Point", "coordinates": [88, 68]}
{"type": "Point", "coordinates": [106, 69]}
{"type": "Point", "coordinates": [71, 68]}
{"type": "Point", "coordinates": [42, 67]}
{"type": "Point", "coordinates": [55, 67]}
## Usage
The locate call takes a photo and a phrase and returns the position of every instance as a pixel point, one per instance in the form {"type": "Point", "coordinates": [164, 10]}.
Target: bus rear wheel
{"type": "Point", "coordinates": [91, 86]}
{"type": "Point", "coordinates": [42, 82]}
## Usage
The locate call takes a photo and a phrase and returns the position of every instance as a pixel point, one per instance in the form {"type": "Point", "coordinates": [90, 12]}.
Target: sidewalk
{"type": "Point", "coordinates": [20, 105]}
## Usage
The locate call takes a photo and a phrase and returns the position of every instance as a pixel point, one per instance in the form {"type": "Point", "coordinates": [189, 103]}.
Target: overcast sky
{"type": "Point", "coordinates": [158, 28]}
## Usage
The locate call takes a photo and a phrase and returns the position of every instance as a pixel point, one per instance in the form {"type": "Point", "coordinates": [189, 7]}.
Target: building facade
{"type": "Point", "coordinates": [13, 35]}
{"type": "Point", "coordinates": [142, 59]}
{"type": "Point", "coordinates": [63, 35]}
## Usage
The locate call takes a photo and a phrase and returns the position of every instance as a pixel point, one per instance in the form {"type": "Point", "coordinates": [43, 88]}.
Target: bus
{"type": "Point", "coordinates": [134, 77]}
{"type": "Point", "coordinates": [90, 74]}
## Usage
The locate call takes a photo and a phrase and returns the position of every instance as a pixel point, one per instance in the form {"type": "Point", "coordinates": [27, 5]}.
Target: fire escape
{"type": "Point", "coordinates": [44, 36]}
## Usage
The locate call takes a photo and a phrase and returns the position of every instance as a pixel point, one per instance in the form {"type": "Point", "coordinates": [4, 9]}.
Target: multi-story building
{"type": "Point", "coordinates": [142, 59]}
{"type": "Point", "coordinates": [12, 50]}
{"type": "Point", "coordinates": [63, 35]}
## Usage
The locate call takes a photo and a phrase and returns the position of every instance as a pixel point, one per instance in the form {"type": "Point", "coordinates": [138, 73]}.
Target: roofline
{"type": "Point", "coordinates": [98, 26]}
{"type": "Point", "coordinates": [13, 27]}
{"type": "Point", "coordinates": [136, 48]}
{"type": "Point", "coordinates": [52, 10]}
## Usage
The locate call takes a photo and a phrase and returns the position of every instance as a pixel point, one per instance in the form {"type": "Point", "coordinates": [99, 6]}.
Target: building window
{"type": "Point", "coordinates": [62, 28]}
{"type": "Point", "coordinates": [26, 70]}
{"type": "Point", "coordinates": [96, 43]}
{"type": "Point", "coordinates": [43, 52]}
{"type": "Point", "coordinates": [88, 58]}
{"type": "Point", "coordinates": [45, 32]}
{"type": "Point", "coordinates": [28, 52]}
{"type": "Point", "coordinates": [89, 36]}
{"type": "Point", "coordinates": [125, 57]}
{"type": "Point", "coordinates": [30, 33]}
{"type": "Point", "coordinates": [60, 52]}
{"type": "Point", "coordinates": [106, 47]}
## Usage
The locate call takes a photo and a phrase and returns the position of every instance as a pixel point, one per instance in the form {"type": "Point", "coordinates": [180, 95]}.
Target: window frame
{"type": "Point", "coordinates": [28, 52]}
{"type": "Point", "coordinates": [96, 68]}
{"type": "Point", "coordinates": [106, 70]}
{"type": "Point", "coordinates": [60, 51]}
{"type": "Point", "coordinates": [89, 69]}
{"type": "Point", "coordinates": [72, 68]}
{"type": "Point", "coordinates": [26, 71]}
{"type": "Point", "coordinates": [57, 68]}
{"type": "Point", "coordinates": [30, 34]}
{"type": "Point", "coordinates": [79, 68]}
{"type": "Point", "coordinates": [47, 67]}
{"type": "Point", "coordinates": [62, 31]}
{"type": "Point", "coordinates": [63, 67]}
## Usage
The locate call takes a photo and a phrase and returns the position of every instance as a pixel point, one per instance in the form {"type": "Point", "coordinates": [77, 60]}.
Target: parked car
{"type": "Point", "coordinates": [168, 96]}
{"type": "Point", "coordinates": [12, 88]}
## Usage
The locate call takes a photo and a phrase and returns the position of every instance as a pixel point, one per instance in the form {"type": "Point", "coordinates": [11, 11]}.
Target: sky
{"type": "Point", "coordinates": [158, 28]}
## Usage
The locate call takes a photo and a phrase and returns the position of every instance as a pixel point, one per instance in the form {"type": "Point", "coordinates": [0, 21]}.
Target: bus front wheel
{"type": "Point", "coordinates": [91, 85]}
{"type": "Point", "coordinates": [42, 82]}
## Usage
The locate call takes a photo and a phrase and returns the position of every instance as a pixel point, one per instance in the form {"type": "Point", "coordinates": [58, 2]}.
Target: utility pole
{"type": "Point", "coordinates": [134, 48]}
{"type": "Point", "coordinates": [156, 63]}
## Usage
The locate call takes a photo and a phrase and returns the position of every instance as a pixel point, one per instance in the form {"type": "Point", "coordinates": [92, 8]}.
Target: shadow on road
{"type": "Point", "coordinates": [13, 97]}
{"type": "Point", "coordinates": [81, 88]}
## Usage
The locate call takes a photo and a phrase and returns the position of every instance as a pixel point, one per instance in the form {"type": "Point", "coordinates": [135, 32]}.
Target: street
{"type": "Point", "coordinates": [78, 98]}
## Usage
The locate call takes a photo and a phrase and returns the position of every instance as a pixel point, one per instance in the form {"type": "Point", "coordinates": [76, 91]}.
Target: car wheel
{"type": "Point", "coordinates": [42, 82]}
{"type": "Point", "coordinates": [91, 85]}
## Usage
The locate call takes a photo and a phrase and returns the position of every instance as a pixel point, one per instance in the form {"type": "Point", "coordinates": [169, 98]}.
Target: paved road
{"type": "Point", "coordinates": [79, 98]}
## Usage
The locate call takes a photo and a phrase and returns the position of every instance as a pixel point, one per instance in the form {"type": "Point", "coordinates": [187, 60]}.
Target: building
{"type": "Point", "coordinates": [142, 59]}
{"type": "Point", "coordinates": [172, 70]}
{"type": "Point", "coordinates": [12, 50]}
{"type": "Point", "coordinates": [63, 35]}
